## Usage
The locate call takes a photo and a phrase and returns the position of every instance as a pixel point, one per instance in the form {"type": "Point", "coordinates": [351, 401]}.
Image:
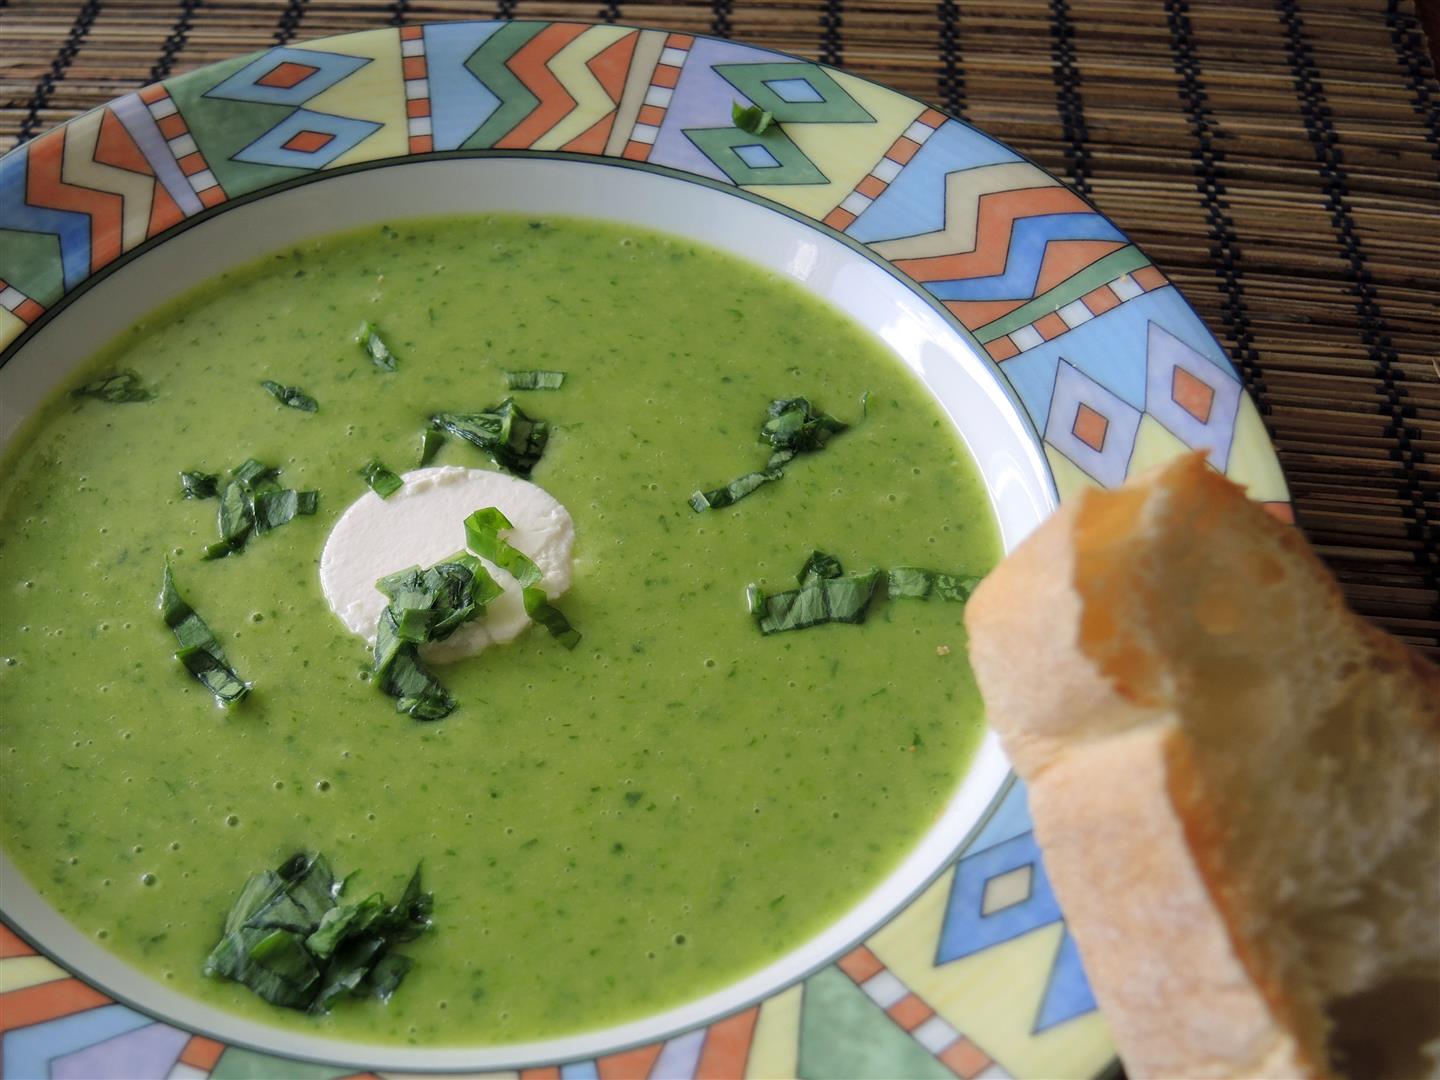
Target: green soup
{"type": "Point", "coordinates": [607, 832]}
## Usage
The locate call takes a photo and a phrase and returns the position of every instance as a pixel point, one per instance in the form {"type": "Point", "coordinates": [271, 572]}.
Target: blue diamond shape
{"type": "Point", "coordinates": [270, 148]}
{"type": "Point", "coordinates": [967, 929]}
{"type": "Point", "coordinates": [794, 90]}
{"type": "Point", "coordinates": [757, 157]}
{"type": "Point", "coordinates": [245, 85]}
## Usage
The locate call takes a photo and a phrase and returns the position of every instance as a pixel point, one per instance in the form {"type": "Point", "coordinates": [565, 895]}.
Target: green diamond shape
{"type": "Point", "coordinates": [835, 106]}
{"type": "Point", "coordinates": [718, 144]}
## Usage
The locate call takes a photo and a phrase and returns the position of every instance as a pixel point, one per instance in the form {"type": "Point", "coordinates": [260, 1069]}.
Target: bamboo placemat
{"type": "Point", "coordinates": [1279, 159]}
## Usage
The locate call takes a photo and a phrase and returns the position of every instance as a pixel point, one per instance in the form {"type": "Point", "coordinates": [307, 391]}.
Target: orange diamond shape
{"type": "Point", "coordinates": [1090, 427]}
{"type": "Point", "coordinates": [284, 76]}
{"type": "Point", "coordinates": [1192, 395]}
{"type": "Point", "coordinates": [307, 142]}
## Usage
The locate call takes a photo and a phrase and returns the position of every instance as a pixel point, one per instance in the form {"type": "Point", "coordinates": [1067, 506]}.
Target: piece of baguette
{"type": "Point", "coordinates": [1234, 779]}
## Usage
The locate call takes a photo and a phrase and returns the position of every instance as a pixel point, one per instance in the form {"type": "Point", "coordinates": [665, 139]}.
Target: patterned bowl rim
{"type": "Point", "coordinates": [1186, 349]}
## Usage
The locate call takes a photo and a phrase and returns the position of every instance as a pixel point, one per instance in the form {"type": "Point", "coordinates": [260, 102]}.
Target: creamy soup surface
{"type": "Point", "coordinates": [607, 831]}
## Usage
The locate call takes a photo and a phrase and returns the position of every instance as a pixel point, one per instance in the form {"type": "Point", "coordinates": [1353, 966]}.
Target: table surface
{"type": "Point", "coordinates": [1279, 159]}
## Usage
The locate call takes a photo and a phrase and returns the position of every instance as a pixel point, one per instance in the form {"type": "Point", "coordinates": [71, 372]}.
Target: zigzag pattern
{"type": "Point", "coordinates": [558, 86]}
{"type": "Point", "coordinates": [90, 183]}
{"type": "Point", "coordinates": [553, 102]}
{"type": "Point", "coordinates": [963, 191]}
{"type": "Point", "coordinates": [490, 66]}
{"type": "Point", "coordinates": [598, 84]}
{"type": "Point", "coordinates": [1024, 243]}
{"type": "Point", "coordinates": [18, 214]}
{"type": "Point", "coordinates": [100, 153]}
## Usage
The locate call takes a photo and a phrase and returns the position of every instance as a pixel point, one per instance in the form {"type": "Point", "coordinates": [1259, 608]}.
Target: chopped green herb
{"type": "Point", "coordinates": [753, 119]}
{"type": "Point", "coordinates": [431, 439]}
{"type": "Point", "coordinates": [199, 650]}
{"type": "Point", "coordinates": [513, 440]}
{"type": "Point", "coordinates": [118, 388]}
{"type": "Point", "coordinates": [292, 938]}
{"type": "Point", "coordinates": [539, 608]}
{"type": "Point", "coordinates": [828, 594]}
{"type": "Point", "coordinates": [252, 502]}
{"type": "Point", "coordinates": [534, 380]}
{"type": "Point", "coordinates": [911, 582]}
{"type": "Point", "coordinates": [374, 345]}
{"type": "Point", "coordinates": [199, 485]}
{"type": "Point", "coordinates": [426, 605]}
{"type": "Point", "coordinates": [482, 536]}
{"type": "Point", "coordinates": [734, 491]}
{"type": "Point", "coordinates": [292, 396]}
{"type": "Point", "coordinates": [381, 480]}
{"type": "Point", "coordinates": [791, 427]}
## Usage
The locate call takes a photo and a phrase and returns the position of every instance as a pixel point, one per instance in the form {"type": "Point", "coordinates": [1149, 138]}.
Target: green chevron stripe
{"type": "Point", "coordinates": [1093, 276]}
{"type": "Point", "coordinates": [487, 64]}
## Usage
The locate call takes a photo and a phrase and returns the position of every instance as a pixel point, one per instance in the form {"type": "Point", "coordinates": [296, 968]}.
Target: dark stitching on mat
{"type": "Point", "coordinates": [179, 31]}
{"type": "Point", "coordinates": [952, 70]}
{"type": "Point", "coordinates": [831, 51]}
{"type": "Point", "coordinates": [46, 86]}
{"type": "Point", "coordinates": [1374, 331]}
{"type": "Point", "coordinates": [1067, 95]}
{"type": "Point", "coordinates": [721, 10]}
{"type": "Point", "coordinates": [1209, 170]}
{"type": "Point", "coordinates": [397, 12]}
{"type": "Point", "coordinates": [290, 21]}
{"type": "Point", "coordinates": [1410, 53]}
{"type": "Point", "coordinates": [506, 10]}
{"type": "Point", "coordinates": [611, 11]}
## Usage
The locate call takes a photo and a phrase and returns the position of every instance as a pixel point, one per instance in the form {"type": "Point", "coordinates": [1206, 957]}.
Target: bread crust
{"type": "Point", "coordinates": [1119, 714]}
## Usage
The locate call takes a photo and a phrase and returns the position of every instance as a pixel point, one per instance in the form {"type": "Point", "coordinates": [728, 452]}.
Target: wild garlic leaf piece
{"type": "Point", "coordinates": [199, 650]}
{"type": "Point", "coordinates": [253, 502]}
{"type": "Point", "coordinates": [534, 380]}
{"type": "Point", "coordinates": [291, 396]}
{"type": "Point", "coordinates": [828, 594]}
{"type": "Point", "coordinates": [751, 118]}
{"type": "Point", "coordinates": [425, 606]}
{"type": "Point", "coordinates": [431, 439]}
{"type": "Point", "coordinates": [513, 440]}
{"type": "Point", "coordinates": [482, 536]}
{"type": "Point", "coordinates": [116, 388]}
{"type": "Point", "coordinates": [199, 485]}
{"type": "Point", "coordinates": [791, 427]}
{"type": "Point", "coordinates": [369, 339]}
{"type": "Point", "coordinates": [381, 479]}
{"type": "Point", "coordinates": [914, 583]}
{"type": "Point", "coordinates": [294, 941]}
{"type": "Point", "coordinates": [539, 608]}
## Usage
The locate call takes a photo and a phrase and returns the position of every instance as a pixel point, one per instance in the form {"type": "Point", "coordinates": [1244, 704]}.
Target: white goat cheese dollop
{"type": "Point", "coordinates": [424, 523]}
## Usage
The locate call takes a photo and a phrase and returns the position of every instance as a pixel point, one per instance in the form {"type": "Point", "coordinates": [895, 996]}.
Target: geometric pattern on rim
{"type": "Point", "coordinates": [1113, 367]}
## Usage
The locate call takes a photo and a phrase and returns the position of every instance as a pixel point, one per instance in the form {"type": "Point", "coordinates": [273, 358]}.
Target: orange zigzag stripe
{"type": "Point", "coordinates": [45, 188]}
{"type": "Point", "coordinates": [629, 1064]}
{"type": "Point", "coordinates": [36, 1004]}
{"type": "Point", "coordinates": [530, 66]}
{"type": "Point", "coordinates": [1063, 258]}
{"type": "Point", "coordinates": [727, 1046]}
{"type": "Point", "coordinates": [117, 147]}
{"type": "Point", "coordinates": [593, 139]}
{"type": "Point", "coordinates": [612, 63]}
{"type": "Point", "coordinates": [996, 218]}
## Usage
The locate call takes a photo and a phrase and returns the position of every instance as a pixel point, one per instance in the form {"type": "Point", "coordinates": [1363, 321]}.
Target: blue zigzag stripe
{"type": "Point", "coordinates": [1027, 252]}
{"type": "Point", "coordinates": [71, 228]}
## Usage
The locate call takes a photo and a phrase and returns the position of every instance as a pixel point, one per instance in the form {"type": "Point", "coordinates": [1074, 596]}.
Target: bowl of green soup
{"type": "Point", "coordinates": [485, 519]}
